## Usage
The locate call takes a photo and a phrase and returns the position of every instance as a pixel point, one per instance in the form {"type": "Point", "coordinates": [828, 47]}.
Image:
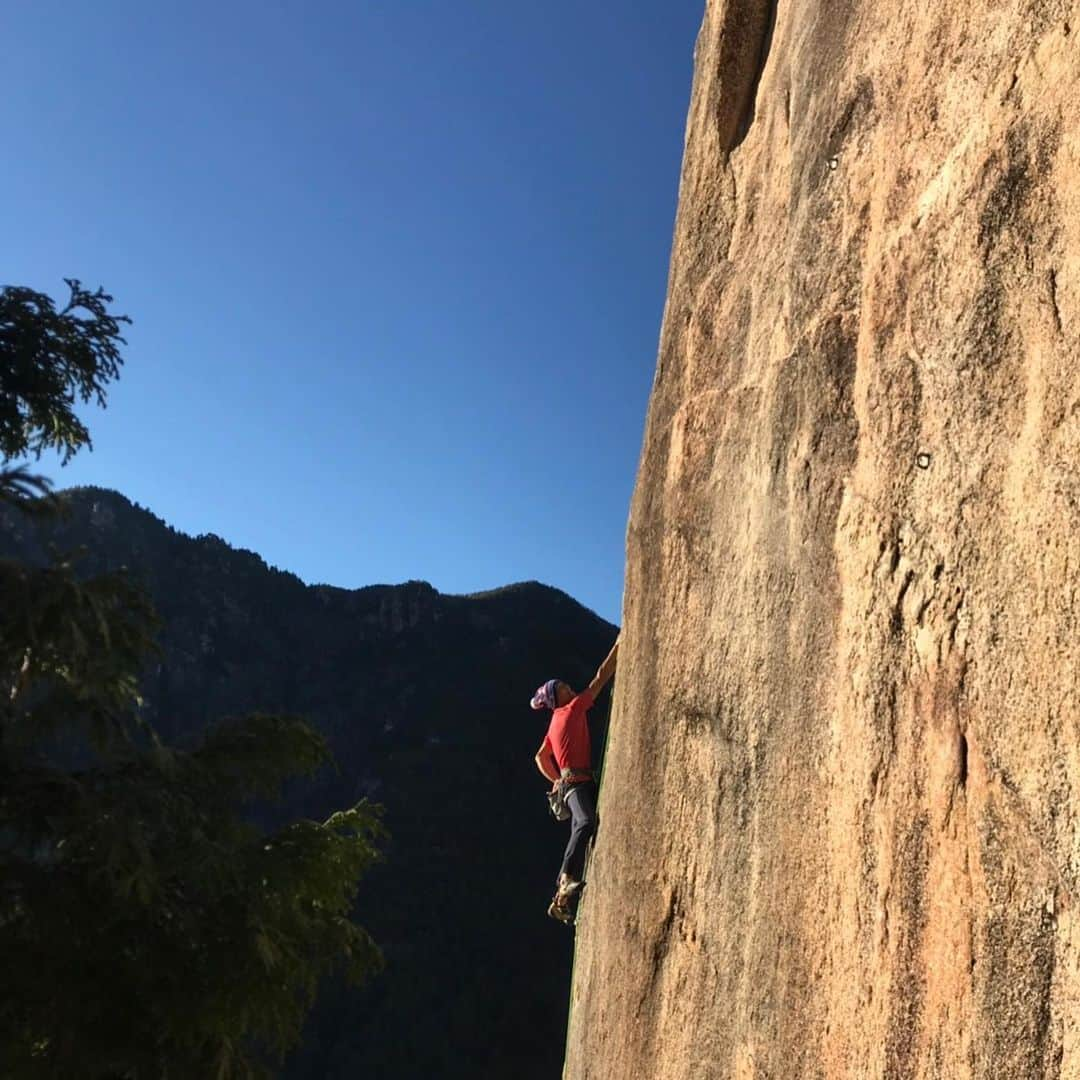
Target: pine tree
{"type": "Point", "coordinates": [148, 928]}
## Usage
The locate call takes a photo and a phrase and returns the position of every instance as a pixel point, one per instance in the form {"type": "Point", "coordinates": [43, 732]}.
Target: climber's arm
{"type": "Point", "coordinates": [607, 669]}
{"type": "Point", "coordinates": [546, 763]}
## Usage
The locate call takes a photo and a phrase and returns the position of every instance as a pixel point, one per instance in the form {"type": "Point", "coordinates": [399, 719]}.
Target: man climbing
{"type": "Point", "coordinates": [565, 758]}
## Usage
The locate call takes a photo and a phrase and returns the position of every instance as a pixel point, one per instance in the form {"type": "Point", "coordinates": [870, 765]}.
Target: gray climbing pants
{"type": "Point", "coordinates": [581, 798]}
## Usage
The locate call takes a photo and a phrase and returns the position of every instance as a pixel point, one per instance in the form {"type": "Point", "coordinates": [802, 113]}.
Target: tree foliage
{"type": "Point", "coordinates": [49, 359]}
{"type": "Point", "coordinates": [148, 927]}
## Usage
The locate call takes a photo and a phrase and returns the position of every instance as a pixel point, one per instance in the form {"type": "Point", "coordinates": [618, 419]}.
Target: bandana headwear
{"type": "Point", "coordinates": [544, 698]}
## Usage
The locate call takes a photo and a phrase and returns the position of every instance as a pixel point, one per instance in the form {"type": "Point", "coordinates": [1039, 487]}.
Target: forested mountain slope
{"type": "Point", "coordinates": [424, 700]}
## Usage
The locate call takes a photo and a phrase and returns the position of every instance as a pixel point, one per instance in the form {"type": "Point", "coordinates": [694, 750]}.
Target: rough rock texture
{"type": "Point", "coordinates": [840, 811]}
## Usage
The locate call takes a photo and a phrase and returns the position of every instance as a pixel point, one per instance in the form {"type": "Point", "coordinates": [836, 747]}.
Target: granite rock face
{"type": "Point", "coordinates": [839, 816]}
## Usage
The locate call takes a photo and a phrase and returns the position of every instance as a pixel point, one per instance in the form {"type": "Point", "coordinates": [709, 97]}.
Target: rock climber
{"type": "Point", "coordinates": [565, 758]}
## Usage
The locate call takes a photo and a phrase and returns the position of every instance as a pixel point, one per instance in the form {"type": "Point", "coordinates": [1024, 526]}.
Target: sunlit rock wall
{"type": "Point", "coordinates": [839, 816]}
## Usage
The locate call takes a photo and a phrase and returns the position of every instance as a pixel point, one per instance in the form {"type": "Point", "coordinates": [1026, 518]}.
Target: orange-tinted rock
{"type": "Point", "coordinates": [839, 813]}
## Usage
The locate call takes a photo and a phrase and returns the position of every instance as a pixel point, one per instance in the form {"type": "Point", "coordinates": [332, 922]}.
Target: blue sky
{"type": "Point", "coordinates": [397, 269]}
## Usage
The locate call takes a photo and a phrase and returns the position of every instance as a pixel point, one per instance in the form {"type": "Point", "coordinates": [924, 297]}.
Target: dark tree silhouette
{"type": "Point", "coordinates": [148, 927]}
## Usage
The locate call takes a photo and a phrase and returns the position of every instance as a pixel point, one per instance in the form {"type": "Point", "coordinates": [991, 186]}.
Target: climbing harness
{"type": "Point", "coordinates": [557, 795]}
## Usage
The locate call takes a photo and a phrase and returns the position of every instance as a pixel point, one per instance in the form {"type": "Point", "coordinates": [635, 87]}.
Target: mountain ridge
{"type": "Point", "coordinates": [215, 541]}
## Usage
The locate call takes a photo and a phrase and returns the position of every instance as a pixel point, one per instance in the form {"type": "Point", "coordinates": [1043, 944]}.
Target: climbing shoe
{"type": "Point", "coordinates": [560, 912]}
{"type": "Point", "coordinates": [568, 886]}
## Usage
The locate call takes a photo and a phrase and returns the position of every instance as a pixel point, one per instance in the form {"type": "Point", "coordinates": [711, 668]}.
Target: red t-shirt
{"type": "Point", "coordinates": [568, 734]}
